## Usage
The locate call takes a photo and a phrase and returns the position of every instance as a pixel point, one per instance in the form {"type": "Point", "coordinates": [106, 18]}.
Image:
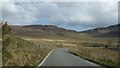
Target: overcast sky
{"type": "Point", "coordinates": [71, 15]}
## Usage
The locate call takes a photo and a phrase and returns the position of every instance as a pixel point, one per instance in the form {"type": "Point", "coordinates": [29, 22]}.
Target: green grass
{"type": "Point", "coordinates": [23, 53]}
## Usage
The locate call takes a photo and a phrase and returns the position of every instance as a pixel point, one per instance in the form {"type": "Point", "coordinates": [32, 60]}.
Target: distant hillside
{"type": "Point", "coordinates": [110, 31]}
{"type": "Point", "coordinates": [54, 31]}
{"type": "Point", "coordinates": [42, 31]}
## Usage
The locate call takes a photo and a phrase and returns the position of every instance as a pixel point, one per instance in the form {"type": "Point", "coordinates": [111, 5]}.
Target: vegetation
{"type": "Point", "coordinates": [93, 49]}
{"type": "Point", "coordinates": [5, 29]}
{"type": "Point", "coordinates": [24, 53]}
{"type": "Point", "coordinates": [101, 56]}
{"type": "Point", "coordinates": [0, 46]}
{"type": "Point", "coordinates": [19, 52]}
{"type": "Point", "coordinates": [5, 42]}
{"type": "Point", "coordinates": [23, 47]}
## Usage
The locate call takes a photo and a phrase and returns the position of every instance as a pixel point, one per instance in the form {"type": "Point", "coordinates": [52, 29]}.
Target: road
{"type": "Point", "coordinates": [61, 57]}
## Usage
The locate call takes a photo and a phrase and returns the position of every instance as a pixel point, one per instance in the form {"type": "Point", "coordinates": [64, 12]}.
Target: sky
{"type": "Point", "coordinates": [77, 16]}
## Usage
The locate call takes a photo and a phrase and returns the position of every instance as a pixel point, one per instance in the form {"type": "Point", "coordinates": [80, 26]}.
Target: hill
{"type": "Point", "coordinates": [43, 31]}
{"type": "Point", "coordinates": [54, 31]}
{"type": "Point", "coordinates": [110, 31]}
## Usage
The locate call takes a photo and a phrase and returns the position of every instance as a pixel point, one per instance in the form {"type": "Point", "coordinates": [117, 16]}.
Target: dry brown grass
{"type": "Point", "coordinates": [83, 47]}
{"type": "Point", "coordinates": [21, 57]}
{"type": "Point", "coordinates": [25, 53]}
{"type": "Point", "coordinates": [43, 42]}
{"type": "Point", "coordinates": [97, 54]}
{"type": "Point", "coordinates": [0, 53]}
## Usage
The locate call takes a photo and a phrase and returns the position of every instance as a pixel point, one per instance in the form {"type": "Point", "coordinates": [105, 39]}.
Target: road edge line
{"type": "Point", "coordinates": [45, 58]}
{"type": "Point", "coordinates": [91, 62]}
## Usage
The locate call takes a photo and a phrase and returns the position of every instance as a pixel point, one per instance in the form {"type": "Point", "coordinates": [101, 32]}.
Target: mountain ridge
{"type": "Point", "coordinates": [53, 30]}
{"type": "Point", "coordinates": [109, 31]}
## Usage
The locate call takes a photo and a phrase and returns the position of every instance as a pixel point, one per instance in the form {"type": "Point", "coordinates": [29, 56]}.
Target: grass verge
{"type": "Point", "coordinates": [107, 58]}
{"type": "Point", "coordinates": [23, 53]}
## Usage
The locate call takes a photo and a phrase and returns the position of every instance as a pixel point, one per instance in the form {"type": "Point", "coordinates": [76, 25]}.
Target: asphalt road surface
{"type": "Point", "coordinates": [61, 57]}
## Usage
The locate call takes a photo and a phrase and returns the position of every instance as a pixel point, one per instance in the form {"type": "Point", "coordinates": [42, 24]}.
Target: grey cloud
{"type": "Point", "coordinates": [84, 14]}
{"type": "Point", "coordinates": [101, 14]}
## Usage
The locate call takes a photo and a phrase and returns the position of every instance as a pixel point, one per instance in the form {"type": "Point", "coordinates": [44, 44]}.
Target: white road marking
{"type": "Point", "coordinates": [45, 58]}
{"type": "Point", "coordinates": [91, 63]}
{"type": "Point", "coordinates": [66, 49]}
